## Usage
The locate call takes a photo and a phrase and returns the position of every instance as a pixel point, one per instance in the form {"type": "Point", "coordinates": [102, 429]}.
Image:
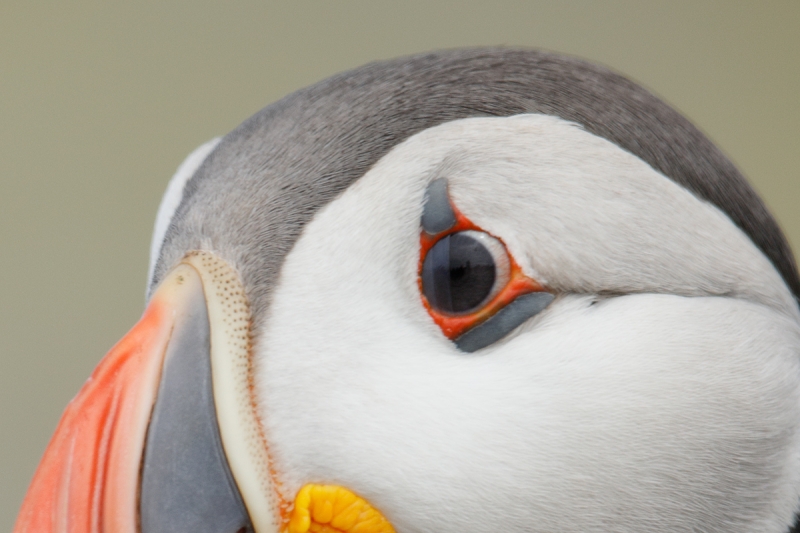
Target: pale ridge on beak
{"type": "Point", "coordinates": [232, 375]}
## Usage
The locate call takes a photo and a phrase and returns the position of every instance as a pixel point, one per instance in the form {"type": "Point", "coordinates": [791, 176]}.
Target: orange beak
{"type": "Point", "coordinates": [144, 446]}
{"type": "Point", "coordinates": [88, 479]}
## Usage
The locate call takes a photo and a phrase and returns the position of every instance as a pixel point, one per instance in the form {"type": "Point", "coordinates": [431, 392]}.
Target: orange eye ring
{"type": "Point", "coordinates": [453, 326]}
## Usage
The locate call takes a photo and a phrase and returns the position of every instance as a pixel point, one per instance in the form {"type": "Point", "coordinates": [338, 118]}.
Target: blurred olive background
{"type": "Point", "coordinates": [100, 102]}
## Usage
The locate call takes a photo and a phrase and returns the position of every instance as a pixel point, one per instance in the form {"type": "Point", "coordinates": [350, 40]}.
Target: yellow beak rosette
{"type": "Point", "coordinates": [332, 509]}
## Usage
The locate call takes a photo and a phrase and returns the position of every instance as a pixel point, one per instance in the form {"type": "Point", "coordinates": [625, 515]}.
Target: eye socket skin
{"type": "Point", "coordinates": [471, 306]}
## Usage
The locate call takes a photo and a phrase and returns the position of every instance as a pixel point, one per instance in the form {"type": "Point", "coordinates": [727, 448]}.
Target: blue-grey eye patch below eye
{"type": "Point", "coordinates": [504, 321]}
{"type": "Point", "coordinates": [437, 213]}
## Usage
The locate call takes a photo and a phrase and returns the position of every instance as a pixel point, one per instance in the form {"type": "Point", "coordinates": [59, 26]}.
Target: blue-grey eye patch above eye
{"type": "Point", "coordinates": [437, 214]}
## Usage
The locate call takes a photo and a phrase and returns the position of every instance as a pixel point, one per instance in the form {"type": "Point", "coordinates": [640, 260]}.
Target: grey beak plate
{"type": "Point", "coordinates": [186, 485]}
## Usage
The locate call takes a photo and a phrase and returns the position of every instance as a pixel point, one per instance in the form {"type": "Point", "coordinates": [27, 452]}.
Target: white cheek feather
{"type": "Point", "coordinates": [172, 199]}
{"type": "Point", "coordinates": [677, 409]}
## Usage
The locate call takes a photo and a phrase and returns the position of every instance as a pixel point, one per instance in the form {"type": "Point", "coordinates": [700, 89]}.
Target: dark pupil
{"type": "Point", "coordinates": [457, 274]}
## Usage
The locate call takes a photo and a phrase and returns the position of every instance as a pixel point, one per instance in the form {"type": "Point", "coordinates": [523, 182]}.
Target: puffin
{"type": "Point", "coordinates": [474, 290]}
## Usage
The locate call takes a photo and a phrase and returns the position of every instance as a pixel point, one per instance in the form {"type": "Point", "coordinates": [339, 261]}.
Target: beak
{"type": "Point", "coordinates": [165, 437]}
{"type": "Point", "coordinates": [145, 445]}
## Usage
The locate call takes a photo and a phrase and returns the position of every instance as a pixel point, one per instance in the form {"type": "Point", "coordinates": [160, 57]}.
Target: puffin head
{"type": "Point", "coordinates": [478, 290]}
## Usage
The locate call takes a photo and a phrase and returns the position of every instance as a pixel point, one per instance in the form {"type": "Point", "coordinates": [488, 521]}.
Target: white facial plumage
{"type": "Point", "coordinates": [654, 394]}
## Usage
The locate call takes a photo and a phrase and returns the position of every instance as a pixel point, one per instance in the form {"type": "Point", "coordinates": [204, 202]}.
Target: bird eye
{"type": "Point", "coordinates": [470, 285]}
{"type": "Point", "coordinates": [463, 271]}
